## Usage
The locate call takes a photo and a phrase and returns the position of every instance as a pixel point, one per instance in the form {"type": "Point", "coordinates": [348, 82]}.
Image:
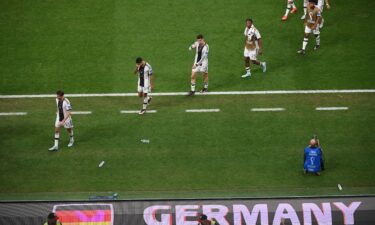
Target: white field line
{"type": "Point", "coordinates": [331, 108]}
{"type": "Point", "coordinates": [267, 109]}
{"type": "Point", "coordinates": [13, 113]}
{"type": "Point", "coordinates": [81, 112]}
{"type": "Point", "coordinates": [201, 110]}
{"type": "Point", "coordinates": [207, 93]}
{"type": "Point", "coordinates": [136, 111]}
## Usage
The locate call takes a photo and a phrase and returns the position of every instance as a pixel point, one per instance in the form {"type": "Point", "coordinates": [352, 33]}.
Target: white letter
{"type": "Point", "coordinates": [290, 214]}
{"type": "Point", "coordinates": [219, 214]}
{"type": "Point", "coordinates": [250, 219]}
{"type": "Point", "coordinates": [150, 218]}
{"type": "Point", "coordinates": [323, 217]}
{"type": "Point", "coordinates": [348, 212]}
{"type": "Point", "coordinates": [181, 214]}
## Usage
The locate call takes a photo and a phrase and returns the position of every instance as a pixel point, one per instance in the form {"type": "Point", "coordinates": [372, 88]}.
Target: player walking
{"type": "Point", "coordinates": [63, 119]}
{"type": "Point", "coordinates": [200, 63]}
{"type": "Point", "coordinates": [311, 23]}
{"type": "Point", "coordinates": [144, 72]}
{"type": "Point", "coordinates": [253, 48]}
{"type": "Point", "coordinates": [291, 7]}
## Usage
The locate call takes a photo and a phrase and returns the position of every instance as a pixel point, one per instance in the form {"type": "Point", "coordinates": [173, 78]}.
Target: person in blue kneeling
{"type": "Point", "coordinates": [313, 158]}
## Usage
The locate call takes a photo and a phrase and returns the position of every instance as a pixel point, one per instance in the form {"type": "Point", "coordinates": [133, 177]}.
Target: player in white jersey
{"type": "Point", "coordinates": [200, 63]}
{"type": "Point", "coordinates": [63, 119]}
{"type": "Point", "coordinates": [145, 82]}
{"type": "Point", "coordinates": [291, 7]}
{"type": "Point", "coordinates": [253, 48]}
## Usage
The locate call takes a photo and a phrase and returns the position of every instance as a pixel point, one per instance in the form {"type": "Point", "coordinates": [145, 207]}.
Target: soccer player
{"type": "Point", "coordinates": [253, 48]}
{"type": "Point", "coordinates": [144, 72]}
{"type": "Point", "coordinates": [311, 23]}
{"type": "Point", "coordinates": [291, 7]}
{"type": "Point", "coordinates": [52, 219]}
{"type": "Point", "coordinates": [313, 158]}
{"type": "Point", "coordinates": [200, 63]}
{"type": "Point", "coordinates": [63, 119]}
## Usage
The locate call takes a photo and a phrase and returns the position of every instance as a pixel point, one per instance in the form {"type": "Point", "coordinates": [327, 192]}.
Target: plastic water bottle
{"type": "Point", "coordinates": [146, 141]}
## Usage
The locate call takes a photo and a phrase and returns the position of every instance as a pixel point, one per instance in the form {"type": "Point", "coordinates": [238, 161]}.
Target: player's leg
{"type": "Point", "coordinates": [193, 81]}
{"type": "Point", "coordinates": [317, 38]}
{"type": "Point", "coordinates": [305, 3]}
{"type": "Point", "coordinates": [305, 40]}
{"type": "Point", "coordinates": [145, 103]}
{"type": "Point", "coordinates": [55, 147]}
{"type": "Point", "coordinates": [291, 7]}
{"type": "Point", "coordinates": [71, 136]}
{"type": "Point", "coordinates": [205, 82]}
{"type": "Point", "coordinates": [247, 66]}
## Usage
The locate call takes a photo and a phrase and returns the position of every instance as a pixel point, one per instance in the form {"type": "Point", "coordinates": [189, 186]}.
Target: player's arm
{"type": "Point", "coordinates": [66, 117]}
{"type": "Point", "coordinates": [136, 69]}
{"type": "Point", "coordinates": [319, 19]}
{"type": "Point", "coordinates": [193, 46]}
{"type": "Point", "coordinates": [327, 4]}
{"type": "Point", "coordinates": [260, 43]}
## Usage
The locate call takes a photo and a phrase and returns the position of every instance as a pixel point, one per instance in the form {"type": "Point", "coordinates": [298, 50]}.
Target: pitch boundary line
{"type": "Point", "coordinates": [81, 112]}
{"type": "Point", "coordinates": [136, 111]}
{"type": "Point", "coordinates": [331, 108]}
{"type": "Point", "coordinates": [201, 110]}
{"type": "Point", "coordinates": [271, 92]}
{"type": "Point", "coordinates": [267, 109]}
{"type": "Point", "coordinates": [13, 113]}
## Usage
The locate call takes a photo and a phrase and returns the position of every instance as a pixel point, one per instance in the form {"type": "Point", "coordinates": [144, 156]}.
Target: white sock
{"type": "Point", "coordinates": [248, 70]}
{"type": "Point", "coordinates": [145, 102]}
{"type": "Point", "coordinates": [205, 85]}
{"type": "Point", "coordinates": [287, 10]}
{"type": "Point", "coordinates": [304, 43]}
{"type": "Point", "coordinates": [57, 137]}
{"type": "Point", "coordinates": [192, 87]}
{"type": "Point", "coordinates": [71, 136]}
{"type": "Point", "coordinates": [317, 38]}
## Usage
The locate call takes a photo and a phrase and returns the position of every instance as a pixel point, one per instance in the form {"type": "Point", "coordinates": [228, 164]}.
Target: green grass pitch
{"type": "Point", "coordinates": [91, 46]}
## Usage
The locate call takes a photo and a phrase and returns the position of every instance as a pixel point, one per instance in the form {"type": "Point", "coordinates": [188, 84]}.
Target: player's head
{"type": "Point", "coordinates": [313, 142]}
{"type": "Point", "coordinates": [200, 39]}
{"type": "Point", "coordinates": [52, 218]}
{"type": "Point", "coordinates": [202, 217]}
{"type": "Point", "coordinates": [138, 61]}
{"type": "Point", "coordinates": [249, 22]}
{"type": "Point", "coordinates": [312, 3]}
{"type": "Point", "coordinates": [60, 94]}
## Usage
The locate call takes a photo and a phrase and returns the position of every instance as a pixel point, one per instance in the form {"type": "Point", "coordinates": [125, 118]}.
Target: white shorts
{"type": "Point", "coordinates": [308, 30]}
{"type": "Point", "coordinates": [145, 90]}
{"type": "Point", "coordinates": [68, 123]}
{"type": "Point", "coordinates": [146, 87]}
{"type": "Point", "coordinates": [252, 54]}
{"type": "Point", "coordinates": [201, 69]}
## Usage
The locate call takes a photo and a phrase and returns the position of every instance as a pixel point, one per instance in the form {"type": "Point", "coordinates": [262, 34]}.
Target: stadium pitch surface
{"type": "Point", "coordinates": [242, 149]}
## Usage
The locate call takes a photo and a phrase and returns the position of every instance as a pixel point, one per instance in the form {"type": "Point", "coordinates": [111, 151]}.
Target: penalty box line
{"type": "Point", "coordinates": [272, 92]}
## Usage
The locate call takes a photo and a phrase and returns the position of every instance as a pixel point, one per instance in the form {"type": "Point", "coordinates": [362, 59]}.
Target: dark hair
{"type": "Point", "coordinates": [52, 216]}
{"type": "Point", "coordinates": [249, 19]}
{"type": "Point", "coordinates": [138, 60]}
{"type": "Point", "coordinates": [203, 217]}
{"type": "Point", "coordinates": [199, 36]}
{"type": "Point", "coordinates": [60, 93]}
{"type": "Point", "coordinates": [314, 1]}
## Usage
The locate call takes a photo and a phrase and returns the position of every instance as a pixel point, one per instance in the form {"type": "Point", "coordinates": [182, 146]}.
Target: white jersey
{"type": "Point", "coordinates": [63, 108]}
{"type": "Point", "coordinates": [144, 80]}
{"type": "Point", "coordinates": [252, 35]}
{"type": "Point", "coordinates": [201, 54]}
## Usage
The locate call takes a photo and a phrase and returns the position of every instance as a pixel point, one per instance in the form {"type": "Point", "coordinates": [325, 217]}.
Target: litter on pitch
{"type": "Point", "coordinates": [145, 141]}
{"type": "Point", "coordinates": [101, 163]}
{"type": "Point", "coordinates": [339, 187]}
